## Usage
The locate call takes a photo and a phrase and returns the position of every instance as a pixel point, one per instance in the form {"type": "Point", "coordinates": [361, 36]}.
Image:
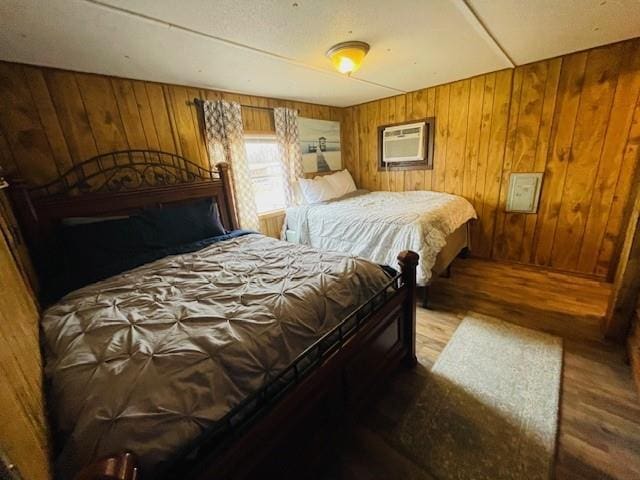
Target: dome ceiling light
{"type": "Point", "coordinates": [347, 56]}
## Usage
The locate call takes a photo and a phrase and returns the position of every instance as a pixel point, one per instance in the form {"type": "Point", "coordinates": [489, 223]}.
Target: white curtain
{"type": "Point", "coordinates": [225, 141]}
{"type": "Point", "coordinates": [286, 121]}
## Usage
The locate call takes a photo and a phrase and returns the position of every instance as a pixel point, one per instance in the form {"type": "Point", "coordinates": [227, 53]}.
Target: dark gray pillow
{"type": "Point", "coordinates": [95, 250]}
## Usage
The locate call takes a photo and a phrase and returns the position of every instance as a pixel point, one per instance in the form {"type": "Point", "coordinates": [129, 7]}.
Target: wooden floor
{"type": "Point", "coordinates": [570, 306]}
{"type": "Point", "coordinates": [599, 431]}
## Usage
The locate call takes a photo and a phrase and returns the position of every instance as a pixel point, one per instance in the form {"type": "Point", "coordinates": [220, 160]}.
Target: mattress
{"type": "Point", "coordinates": [149, 359]}
{"type": "Point", "coordinates": [379, 225]}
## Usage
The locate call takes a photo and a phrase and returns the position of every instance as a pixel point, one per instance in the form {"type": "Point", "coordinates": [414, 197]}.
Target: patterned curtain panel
{"type": "Point", "coordinates": [225, 141]}
{"type": "Point", "coordinates": [286, 120]}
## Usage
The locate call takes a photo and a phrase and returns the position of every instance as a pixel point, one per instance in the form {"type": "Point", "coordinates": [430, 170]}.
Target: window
{"type": "Point", "coordinates": [265, 170]}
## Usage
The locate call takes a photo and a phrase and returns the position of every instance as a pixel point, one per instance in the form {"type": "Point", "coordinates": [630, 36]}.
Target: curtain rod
{"type": "Point", "coordinates": [198, 101]}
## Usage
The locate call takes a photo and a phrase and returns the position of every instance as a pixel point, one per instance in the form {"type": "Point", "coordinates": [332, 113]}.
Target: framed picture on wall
{"type": "Point", "coordinates": [320, 145]}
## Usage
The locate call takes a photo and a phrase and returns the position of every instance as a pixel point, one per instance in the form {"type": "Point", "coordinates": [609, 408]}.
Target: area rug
{"type": "Point", "coordinates": [489, 409]}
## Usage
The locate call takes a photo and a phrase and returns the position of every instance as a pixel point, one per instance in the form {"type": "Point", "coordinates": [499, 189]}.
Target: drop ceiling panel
{"type": "Point", "coordinates": [273, 48]}
{"type": "Point", "coordinates": [534, 30]}
{"type": "Point", "coordinates": [85, 37]}
{"type": "Point", "coordinates": [415, 43]}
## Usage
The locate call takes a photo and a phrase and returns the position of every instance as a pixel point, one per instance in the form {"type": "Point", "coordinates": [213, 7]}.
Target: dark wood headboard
{"type": "Point", "coordinates": [118, 183]}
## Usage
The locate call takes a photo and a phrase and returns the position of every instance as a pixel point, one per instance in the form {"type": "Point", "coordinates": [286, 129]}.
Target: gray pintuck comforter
{"type": "Point", "coordinates": [148, 359]}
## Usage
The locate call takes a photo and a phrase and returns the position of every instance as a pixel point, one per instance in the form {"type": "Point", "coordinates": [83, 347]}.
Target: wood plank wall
{"type": "Point", "coordinates": [626, 283]}
{"type": "Point", "coordinates": [52, 119]}
{"type": "Point", "coordinates": [24, 437]}
{"type": "Point", "coordinates": [576, 118]}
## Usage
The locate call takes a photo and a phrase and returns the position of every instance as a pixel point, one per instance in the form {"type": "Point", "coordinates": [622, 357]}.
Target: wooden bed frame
{"type": "Point", "coordinates": [332, 375]}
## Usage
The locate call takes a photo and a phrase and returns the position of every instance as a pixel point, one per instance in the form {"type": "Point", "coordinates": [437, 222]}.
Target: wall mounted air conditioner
{"type": "Point", "coordinates": [403, 143]}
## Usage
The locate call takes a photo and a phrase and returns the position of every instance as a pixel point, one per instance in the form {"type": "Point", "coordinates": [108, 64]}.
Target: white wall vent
{"type": "Point", "coordinates": [524, 192]}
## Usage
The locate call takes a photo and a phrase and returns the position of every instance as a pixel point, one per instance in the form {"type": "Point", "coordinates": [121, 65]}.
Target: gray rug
{"type": "Point", "coordinates": [489, 409]}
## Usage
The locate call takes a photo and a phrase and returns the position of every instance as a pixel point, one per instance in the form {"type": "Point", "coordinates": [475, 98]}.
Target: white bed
{"type": "Point", "coordinates": [379, 225]}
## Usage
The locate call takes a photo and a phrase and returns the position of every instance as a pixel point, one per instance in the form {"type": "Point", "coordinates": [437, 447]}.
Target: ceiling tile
{"type": "Point", "coordinates": [276, 48]}
{"type": "Point", "coordinates": [535, 30]}
{"type": "Point", "coordinates": [85, 37]}
{"type": "Point", "coordinates": [414, 43]}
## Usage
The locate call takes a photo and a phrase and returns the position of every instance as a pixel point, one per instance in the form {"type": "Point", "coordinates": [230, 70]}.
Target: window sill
{"type": "Point", "coordinates": [271, 214]}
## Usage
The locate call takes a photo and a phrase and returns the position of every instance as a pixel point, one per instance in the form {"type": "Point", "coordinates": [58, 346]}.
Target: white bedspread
{"type": "Point", "coordinates": [379, 225]}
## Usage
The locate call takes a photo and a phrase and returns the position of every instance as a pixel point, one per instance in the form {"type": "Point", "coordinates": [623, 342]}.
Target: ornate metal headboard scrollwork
{"type": "Point", "coordinates": [126, 170]}
{"type": "Point", "coordinates": [118, 183]}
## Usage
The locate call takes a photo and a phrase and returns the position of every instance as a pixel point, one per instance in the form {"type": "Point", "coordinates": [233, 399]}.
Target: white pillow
{"type": "Point", "coordinates": [341, 182]}
{"type": "Point", "coordinates": [316, 190]}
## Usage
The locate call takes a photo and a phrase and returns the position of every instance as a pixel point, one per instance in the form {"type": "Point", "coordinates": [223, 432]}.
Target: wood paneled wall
{"type": "Point", "coordinates": [51, 119]}
{"type": "Point", "coordinates": [271, 224]}
{"type": "Point", "coordinates": [23, 427]}
{"type": "Point", "coordinates": [576, 118]}
{"type": "Point", "coordinates": [626, 283]}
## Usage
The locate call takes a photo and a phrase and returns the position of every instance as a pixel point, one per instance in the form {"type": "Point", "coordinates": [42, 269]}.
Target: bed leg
{"type": "Point", "coordinates": [447, 272]}
{"type": "Point", "coordinates": [408, 263]}
{"type": "Point", "coordinates": [425, 297]}
{"type": "Point", "coordinates": [123, 466]}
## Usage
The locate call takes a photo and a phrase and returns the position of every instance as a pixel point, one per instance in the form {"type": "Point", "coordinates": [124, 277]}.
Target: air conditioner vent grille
{"type": "Point", "coordinates": [404, 143]}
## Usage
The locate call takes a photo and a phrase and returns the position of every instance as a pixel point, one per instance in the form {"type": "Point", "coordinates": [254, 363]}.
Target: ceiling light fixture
{"type": "Point", "coordinates": [347, 56]}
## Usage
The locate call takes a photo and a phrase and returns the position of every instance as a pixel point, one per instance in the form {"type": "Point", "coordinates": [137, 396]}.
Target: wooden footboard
{"type": "Point", "coordinates": [332, 377]}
